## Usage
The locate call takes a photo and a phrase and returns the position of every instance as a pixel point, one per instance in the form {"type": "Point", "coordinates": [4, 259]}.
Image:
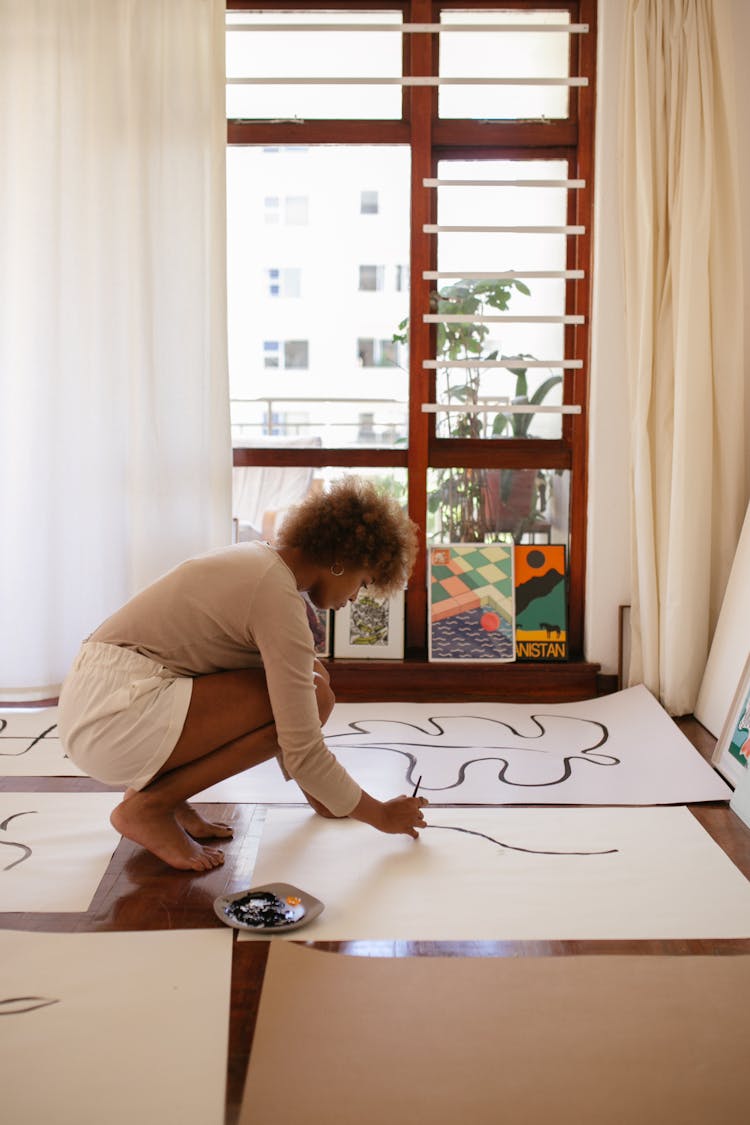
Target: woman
{"type": "Point", "coordinates": [211, 670]}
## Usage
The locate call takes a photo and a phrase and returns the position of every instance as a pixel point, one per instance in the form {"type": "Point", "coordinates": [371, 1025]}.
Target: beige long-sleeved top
{"type": "Point", "coordinates": [239, 607]}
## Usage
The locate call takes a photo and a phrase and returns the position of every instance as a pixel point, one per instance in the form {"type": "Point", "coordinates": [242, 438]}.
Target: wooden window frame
{"type": "Point", "coordinates": [430, 140]}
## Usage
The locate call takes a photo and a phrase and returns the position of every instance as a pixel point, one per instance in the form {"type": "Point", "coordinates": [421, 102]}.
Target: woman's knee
{"type": "Point", "coordinates": [325, 697]}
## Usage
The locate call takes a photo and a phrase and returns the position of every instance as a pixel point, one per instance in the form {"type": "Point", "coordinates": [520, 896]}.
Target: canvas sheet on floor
{"type": "Point", "coordinates": [114, 1027]}
{"type": "Point", "coordinates": [54, 849]}
{"type": "Point", "coordinates": [620, 749]}
{"type": "Point", "coordinates": [509, 874]}
{"type": "Point", "coordinates": [29, 746]}
{"type": "Point", "coordinates": [570, 1040]}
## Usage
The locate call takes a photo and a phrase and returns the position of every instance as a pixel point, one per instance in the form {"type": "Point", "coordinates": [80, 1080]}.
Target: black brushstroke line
{"type": "Point", "coordinates": [32, 1007]}
{"type": "Point", "coordinates": [605, 759]}
{"type": "Point", "coordinates": [514, 847]}
{"type": "Point", "coordinates": [32, 744]}
{"type": "Point", "coordinates": [14, 843]}
{"type": "Point", "coordinates": [433, 722]}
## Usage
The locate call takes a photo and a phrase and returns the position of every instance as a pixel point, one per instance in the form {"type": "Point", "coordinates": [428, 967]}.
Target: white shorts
{"type": "Point", "coordinates": [120, 714]}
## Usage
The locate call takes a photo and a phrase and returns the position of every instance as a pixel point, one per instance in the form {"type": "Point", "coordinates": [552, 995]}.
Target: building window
{"type": "Point", "coordinates": [293, 352]}
{"type": "Point", "coordinates": [368, 203]}
{"type": "Point", "coordinates": [377, 353]}
{"type": "Point", "coordinates": [371, 278]}
{"type": "Point", "coordinates": [296, 210]}
{"type": "Point", "coordinates": [270, 353]}
{"type": "Point", "coordinates": [284, 283]}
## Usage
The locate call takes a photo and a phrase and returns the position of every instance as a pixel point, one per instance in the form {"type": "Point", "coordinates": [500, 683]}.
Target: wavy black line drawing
{"type": "Point", "coordinates": [17, 1005]}
{"type": "Point", "coordinates": [5, 723]}
{"type": "Point", "coordinates": [485, 739]}
{"type": "Point", "coordinates": [5, 742]}
{"type": "Point", "coordinates": [514, 847]}
{"type": "Point", "coordinates": [27, 851]}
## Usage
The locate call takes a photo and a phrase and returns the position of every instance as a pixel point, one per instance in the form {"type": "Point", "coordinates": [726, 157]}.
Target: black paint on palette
{"type": "Point", "coordinates": [262, 909]}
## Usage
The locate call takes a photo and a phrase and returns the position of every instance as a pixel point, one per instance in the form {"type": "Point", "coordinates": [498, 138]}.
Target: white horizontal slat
{"type": "Point", "coordinates": [456, 318]}
{"type": "Point", "coordinates": [415, 28]}
{"type": "Point", "coordinates": [501, 275]}
{"type": "Point", "coordinates": [438, 228]}
{"type": "Point", "coordinates": [505, 183]}
{"type": "Point", "coordinates": [414, 80]}
{"type": "Point", "coordinates": [510, 362]}
{"type": "Point", "coordinates": [500, 407]}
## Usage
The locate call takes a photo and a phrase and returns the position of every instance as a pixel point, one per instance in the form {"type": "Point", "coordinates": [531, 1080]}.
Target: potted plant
{"type": "Point", "coordinates": [473, 504]}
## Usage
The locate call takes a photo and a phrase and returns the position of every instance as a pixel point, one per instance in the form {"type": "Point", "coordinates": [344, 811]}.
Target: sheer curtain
{"type": "Point", "coordinates": [115, 451]}
{"type": "Point", "coordinates": [683, 295]}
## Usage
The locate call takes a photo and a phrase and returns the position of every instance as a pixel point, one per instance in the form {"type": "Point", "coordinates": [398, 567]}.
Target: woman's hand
{"type": "Point", "coordinates": [401, 815]}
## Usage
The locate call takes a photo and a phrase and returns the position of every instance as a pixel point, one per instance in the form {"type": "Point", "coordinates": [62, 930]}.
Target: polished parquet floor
{"type": "Point", "coordinates": [139, 892]}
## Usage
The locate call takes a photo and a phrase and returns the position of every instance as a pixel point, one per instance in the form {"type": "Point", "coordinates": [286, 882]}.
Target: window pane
{"type": "Point", "coordinates": [312, 54]}
{"type": "Point", "coordinates": [333, 398]}
{"type": "Point", "coordinates": [295, 353]}
{"type": "Point", "coordinates": [498, 505]}
{"type": "Point", "coordinates": [369, 204]}
{"type": "Point", "coordinates": [504, 54]}
{"type": "Point", "coordinates": [261, 497]}
{"type": "Point", "coordinates": [530, 378]}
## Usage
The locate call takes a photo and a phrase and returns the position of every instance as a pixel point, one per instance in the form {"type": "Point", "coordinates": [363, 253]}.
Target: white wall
{"type": "Point", "coordinates": [608, 565]}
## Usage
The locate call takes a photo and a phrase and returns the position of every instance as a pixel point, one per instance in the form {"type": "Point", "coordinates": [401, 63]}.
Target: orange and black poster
{"type": "Point", "coordinates": [541, 603]}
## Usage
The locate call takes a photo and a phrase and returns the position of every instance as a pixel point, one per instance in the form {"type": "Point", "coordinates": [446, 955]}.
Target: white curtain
{"type": "Point", "coordinates": [684, 301]}
{"type": "Point", "coordinates": [115, 449]}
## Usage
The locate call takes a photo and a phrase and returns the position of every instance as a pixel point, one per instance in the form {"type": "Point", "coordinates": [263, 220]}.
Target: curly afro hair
{"type": "Point", "coordinates": [356, 525]}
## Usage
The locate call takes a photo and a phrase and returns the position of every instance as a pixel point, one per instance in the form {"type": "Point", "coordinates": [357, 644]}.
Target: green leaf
{"type": "Point", "coordinates": [544, 388]}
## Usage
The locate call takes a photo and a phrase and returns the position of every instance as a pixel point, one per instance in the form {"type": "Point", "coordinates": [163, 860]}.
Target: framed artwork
{"type": "Point", "coordinates": [541, 602]}
{"type": "Point", "coordinates": [732, 754]}
{"type": "Point", "coordinates": [320, 625]}
{"type": "Point", "coordinates": [371, 627]}
{"type": "Point", "coordinates": [472, 605]}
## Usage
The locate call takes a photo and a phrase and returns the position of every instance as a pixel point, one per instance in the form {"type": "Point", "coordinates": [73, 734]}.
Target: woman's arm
{"type": "Point", "coordinates": [399, 815]}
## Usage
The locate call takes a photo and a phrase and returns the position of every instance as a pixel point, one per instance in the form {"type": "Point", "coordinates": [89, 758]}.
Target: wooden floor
{"type": "Point", "coordinates": [139, 892]}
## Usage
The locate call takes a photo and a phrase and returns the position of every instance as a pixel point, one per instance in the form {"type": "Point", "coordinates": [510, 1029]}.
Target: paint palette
{"type": "Point", "coordinates": [271, 909]}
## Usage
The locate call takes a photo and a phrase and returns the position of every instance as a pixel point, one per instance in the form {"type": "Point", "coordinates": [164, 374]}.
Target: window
{"type": "Point", "coordinates": [294, 353]}
{"type": "Point", "coordinates": [295, 209]}
{"type": "Point", "coordinates": [377, 353]}
{"type": "Point", "coordinates": [368, 203]}
{"type": "Point", "coordinates": [371, 278]}
{"type": "Point", "coordinates": [444, 344]}
{"type": "Point", "coordinates": [284, 283]}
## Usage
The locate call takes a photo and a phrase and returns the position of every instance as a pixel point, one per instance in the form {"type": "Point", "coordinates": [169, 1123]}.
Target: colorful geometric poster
{"type": "Point", "coordinates": [471, 602]}
{"type": "Point", "coordinates": [541, 603]}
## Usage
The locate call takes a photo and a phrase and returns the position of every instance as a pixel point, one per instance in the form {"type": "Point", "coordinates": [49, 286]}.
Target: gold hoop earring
{"type": "Point", "coordinates": [337, 573]}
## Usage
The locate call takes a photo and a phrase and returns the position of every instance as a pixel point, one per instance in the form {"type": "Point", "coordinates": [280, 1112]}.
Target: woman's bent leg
{"type": "Point", "coordinates": [229, 728]}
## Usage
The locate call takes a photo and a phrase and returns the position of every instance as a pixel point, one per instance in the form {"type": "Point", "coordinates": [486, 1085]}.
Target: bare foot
{"type": "Point", "coordinates": [197, 826]}
{"type": "Point", "coordinates": [149, 824]}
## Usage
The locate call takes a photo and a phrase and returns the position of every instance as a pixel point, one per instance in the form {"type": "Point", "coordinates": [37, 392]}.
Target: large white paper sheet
{"type": "Point", "coordinates": [114, 1027]}
{"type": "Point", "coordinates": [30, 746]}
{"type": "Point", "coordinates": [501, 1040]}
{"type": "Point", "coordinates": [510, 874]}
{"type": "Point", "coordinates": [620, 749]}
{"type": "Point", "coordinates": [54, 849]}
